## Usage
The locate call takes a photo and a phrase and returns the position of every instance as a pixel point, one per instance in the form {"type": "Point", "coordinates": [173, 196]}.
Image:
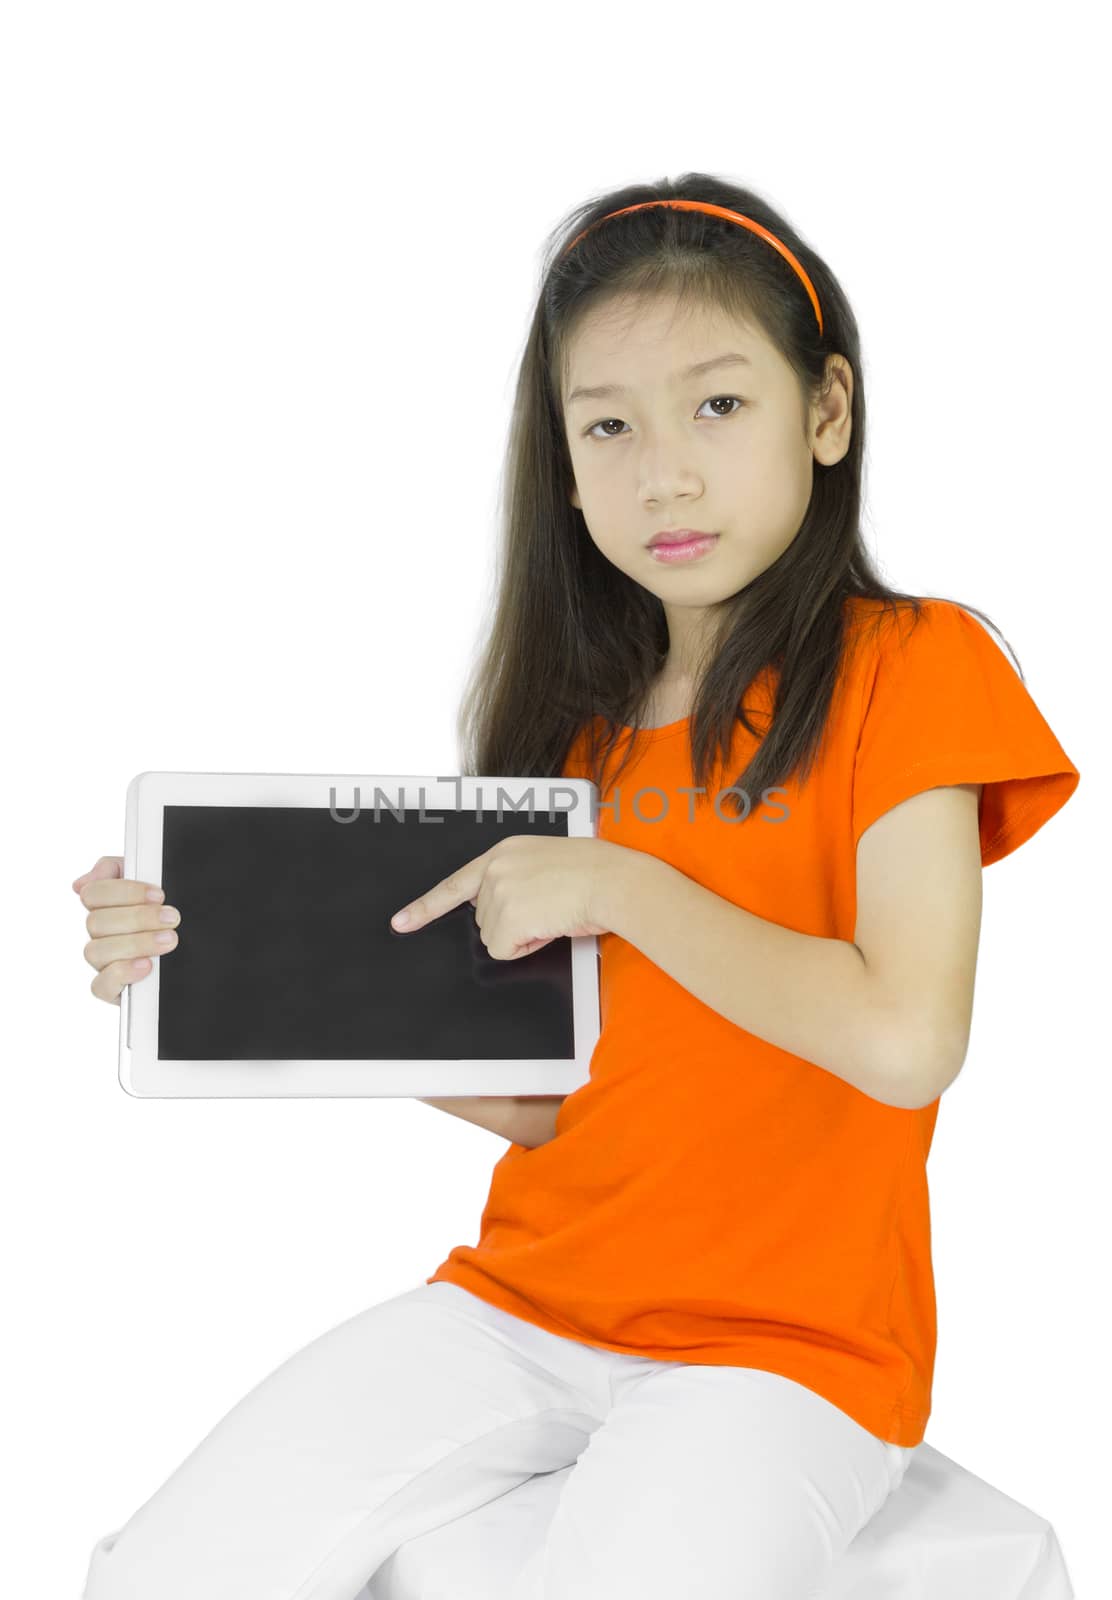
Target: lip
{"type": "Point", "coordinates": [679, 536]}
{"type": "Point", "coordinates": [674, 555]}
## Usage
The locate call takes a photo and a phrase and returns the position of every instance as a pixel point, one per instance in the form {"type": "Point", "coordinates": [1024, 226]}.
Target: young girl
{"type": "Point", "coordinates": [705, 1275]}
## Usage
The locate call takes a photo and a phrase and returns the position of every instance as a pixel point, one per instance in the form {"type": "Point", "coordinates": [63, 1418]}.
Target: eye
{"type": "Point", "coordinates": [590, 432]}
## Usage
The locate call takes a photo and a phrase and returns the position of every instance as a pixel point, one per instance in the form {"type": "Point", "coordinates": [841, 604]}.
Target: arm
{"type": "Point", "coordinates": [522, 1119]}
{"type": "Point", "coordinates": [890, 1013]}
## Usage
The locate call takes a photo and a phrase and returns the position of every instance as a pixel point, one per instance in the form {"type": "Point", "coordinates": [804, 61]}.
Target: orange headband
{"type": "Point", "coordinates": [731, 216]}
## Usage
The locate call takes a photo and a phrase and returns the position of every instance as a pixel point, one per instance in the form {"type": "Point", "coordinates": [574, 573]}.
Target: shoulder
{"type": "Point", "coordinates": [890, 624]}
{"type": "Point", "coordinates": [933, 642]}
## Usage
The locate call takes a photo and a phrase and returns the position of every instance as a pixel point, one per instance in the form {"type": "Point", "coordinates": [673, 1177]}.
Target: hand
{"type": "Point", "coordinates": [526, 891]}
{"type": "Point", "coordinates": [125, 923]}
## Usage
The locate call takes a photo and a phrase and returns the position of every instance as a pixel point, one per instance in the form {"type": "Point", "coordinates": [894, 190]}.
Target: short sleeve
{"type": "Point", "coordinates": [945, 705]}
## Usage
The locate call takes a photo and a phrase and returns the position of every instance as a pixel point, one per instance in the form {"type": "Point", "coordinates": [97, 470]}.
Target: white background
{"type": "Point", "coordinates": [267, 274]}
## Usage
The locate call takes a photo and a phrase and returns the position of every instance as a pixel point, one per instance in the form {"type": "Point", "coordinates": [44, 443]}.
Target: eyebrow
{"type": "Point", "coordinates": [604, 390]}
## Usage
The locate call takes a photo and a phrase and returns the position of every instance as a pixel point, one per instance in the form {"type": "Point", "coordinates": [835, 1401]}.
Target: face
{"type": "Point", "coordinates": [728, 452]}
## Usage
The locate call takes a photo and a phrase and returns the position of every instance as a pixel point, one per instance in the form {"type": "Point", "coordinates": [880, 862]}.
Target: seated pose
{"type": "Point", "coordinates": [704, 1277]}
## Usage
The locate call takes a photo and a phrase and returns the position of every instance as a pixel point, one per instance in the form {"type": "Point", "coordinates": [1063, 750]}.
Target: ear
{"type": "Point", "coordinates": [832, 419]}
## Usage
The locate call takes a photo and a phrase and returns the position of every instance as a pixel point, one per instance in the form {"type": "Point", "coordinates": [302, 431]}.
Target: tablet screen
{"type": "Point", "coordinates": [286, 951]}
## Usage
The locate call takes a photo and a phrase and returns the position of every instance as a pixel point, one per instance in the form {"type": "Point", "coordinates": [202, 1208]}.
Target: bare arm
{"type": "Point", "coordinates": [523, 1119]}
{"type": "Point", "coordinates": [890, 1012]}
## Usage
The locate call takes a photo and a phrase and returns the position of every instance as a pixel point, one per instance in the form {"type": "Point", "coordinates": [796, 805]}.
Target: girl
{"type": "Point", "coordinates": [704, 1276]}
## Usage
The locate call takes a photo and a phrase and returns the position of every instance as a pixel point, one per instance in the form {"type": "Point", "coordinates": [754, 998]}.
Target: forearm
{"type": "Point", "coordinates": [534, 1119]}
{"type": "Point", "coordinates": [811, 996]}
{"type": "Point", "coordinates": [522, 1119]}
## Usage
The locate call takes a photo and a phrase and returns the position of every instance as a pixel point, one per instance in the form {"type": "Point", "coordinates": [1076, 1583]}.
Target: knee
{"type": "Point", "coordinates": [105, 1578]}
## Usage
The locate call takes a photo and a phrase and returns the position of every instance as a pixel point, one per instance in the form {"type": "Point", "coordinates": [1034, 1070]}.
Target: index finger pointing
{"type": "Point", "coordinates": [444, 896]}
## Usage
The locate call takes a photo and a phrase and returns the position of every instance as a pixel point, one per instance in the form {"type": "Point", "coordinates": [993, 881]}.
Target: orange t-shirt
{"type": "Point", "coordinates": [708, 1197]}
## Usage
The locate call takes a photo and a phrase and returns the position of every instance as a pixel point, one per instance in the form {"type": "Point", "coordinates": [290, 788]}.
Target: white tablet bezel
{"type": "Point", "coordinates": [143, 1075]}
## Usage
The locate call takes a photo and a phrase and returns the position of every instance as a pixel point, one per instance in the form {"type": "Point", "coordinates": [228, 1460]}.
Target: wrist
{"type": "Point", "coordinates": [620, 882]}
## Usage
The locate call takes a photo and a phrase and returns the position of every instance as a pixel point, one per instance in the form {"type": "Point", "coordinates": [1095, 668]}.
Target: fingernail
{"type": "Point", "coordinates": [154, 894]}
{"type": "Point", "coordinates": [401, 918]}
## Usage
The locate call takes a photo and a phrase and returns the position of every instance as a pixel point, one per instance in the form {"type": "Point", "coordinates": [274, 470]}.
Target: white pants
{"type": "Point", "coordinates": [710, 1483]}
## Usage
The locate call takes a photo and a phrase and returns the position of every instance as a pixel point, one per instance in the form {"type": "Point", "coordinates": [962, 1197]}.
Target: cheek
{"type": "Point", "coordinates": [618, 554]}
{"type": "Point", "coordinates": [781, 481]}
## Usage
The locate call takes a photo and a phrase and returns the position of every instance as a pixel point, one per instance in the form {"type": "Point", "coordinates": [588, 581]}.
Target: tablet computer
{"type": "Point", "coordinates": [288, 979]}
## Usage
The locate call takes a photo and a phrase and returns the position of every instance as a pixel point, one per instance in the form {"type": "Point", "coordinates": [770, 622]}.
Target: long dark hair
{"type": "Point", "coordinates": [572, 638]}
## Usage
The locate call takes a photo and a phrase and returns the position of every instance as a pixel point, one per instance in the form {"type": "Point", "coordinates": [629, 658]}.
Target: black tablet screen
{"type": "Point", "coordinates": [286, 951]}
